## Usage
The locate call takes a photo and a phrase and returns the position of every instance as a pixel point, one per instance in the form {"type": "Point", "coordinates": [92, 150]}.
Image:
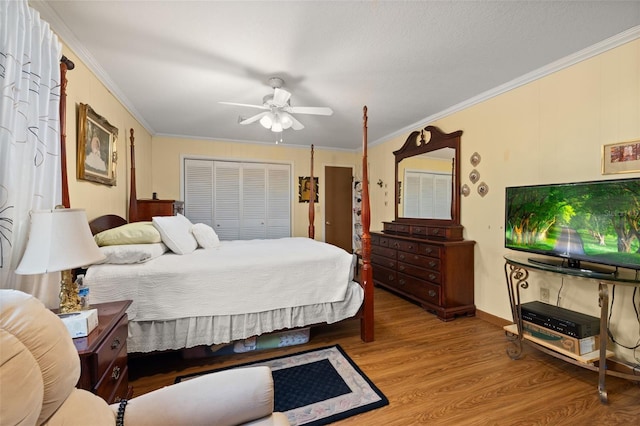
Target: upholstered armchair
{"type": "Point", "coordinates": [39, 368]}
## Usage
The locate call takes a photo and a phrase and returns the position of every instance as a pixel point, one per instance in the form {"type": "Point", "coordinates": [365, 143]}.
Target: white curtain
{"type": "Point", "coordinates": [30, 170]}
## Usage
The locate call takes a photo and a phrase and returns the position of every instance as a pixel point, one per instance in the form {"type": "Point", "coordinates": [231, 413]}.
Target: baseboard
{"type": "Point", "coordinates": [500, 322]}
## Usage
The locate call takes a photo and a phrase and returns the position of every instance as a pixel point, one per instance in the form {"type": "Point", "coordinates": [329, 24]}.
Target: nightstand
{"type": "Point", "coordinates": [103, 353]}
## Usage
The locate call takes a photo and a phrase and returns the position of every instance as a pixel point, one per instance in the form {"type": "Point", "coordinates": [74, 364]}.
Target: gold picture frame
{"type": "Point", "coordinates": [96, 147]}
{"type": "Point", "coordinates": [621, 157]}
{"type": "Point", "coordinates": [304, 189]}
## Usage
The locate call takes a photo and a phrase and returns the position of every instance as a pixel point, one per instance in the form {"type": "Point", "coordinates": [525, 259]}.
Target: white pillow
{"type": "Point", "coordinates": [132, 253]}
{"type": "Point", "coordinates": [205, 236]}
{"type": "Point", "coordinates": [176, 233]}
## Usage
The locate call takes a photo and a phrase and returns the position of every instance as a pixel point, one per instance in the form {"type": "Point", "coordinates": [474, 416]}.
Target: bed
{"type": "Point", "coordinates": [209, 296]}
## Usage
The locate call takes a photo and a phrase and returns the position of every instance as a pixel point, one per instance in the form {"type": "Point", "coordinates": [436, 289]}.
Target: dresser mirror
{"type": "Point", "coordinates": [427, 186]}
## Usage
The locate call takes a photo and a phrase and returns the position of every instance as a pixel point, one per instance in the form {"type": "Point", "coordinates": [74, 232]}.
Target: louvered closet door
{"type": "Point", "coordinates": [427, 195]}
{"type": "Point", "coordinates": [198, 194]}
{"type": "Point", "coordinates": [226, 200]}
{"type": "Point", "coordinates": [278, 201]}
{"type": "Point", "coordinates": [239, 200]}
{"type": "Point", "coordinates": [253, 215]}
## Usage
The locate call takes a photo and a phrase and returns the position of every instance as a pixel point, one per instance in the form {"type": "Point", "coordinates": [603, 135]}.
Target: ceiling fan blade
{"type": "Point", "coordinates": [254, 118]}
{"type": "Point", "coordinates": [280, 97]}
{"type": "Point", "coordinates": [244, 105]}
{"type": "Point", "coordinates": [310, 110]}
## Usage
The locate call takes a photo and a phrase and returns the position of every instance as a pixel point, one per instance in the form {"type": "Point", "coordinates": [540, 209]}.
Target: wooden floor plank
{"type": "Point", "coordinates": [440, 373]}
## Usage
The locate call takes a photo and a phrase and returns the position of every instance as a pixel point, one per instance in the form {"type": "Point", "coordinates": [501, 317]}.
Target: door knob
{"type": "Point", "coordinates": [327, 223]}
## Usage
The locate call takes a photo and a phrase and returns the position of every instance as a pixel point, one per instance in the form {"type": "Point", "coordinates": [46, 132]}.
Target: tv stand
{"type": "Point", "coordinates": [517, 274]}
{"type": "Point", "coordinates": [568, 265]}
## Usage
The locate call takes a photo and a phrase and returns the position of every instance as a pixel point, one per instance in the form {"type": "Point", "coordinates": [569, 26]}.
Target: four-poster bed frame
{"type": "Point", "coordinates": [101, 223]}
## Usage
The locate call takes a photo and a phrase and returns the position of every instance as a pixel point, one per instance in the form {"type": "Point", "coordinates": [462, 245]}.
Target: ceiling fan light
{"type": "Point", "coordinates": [277, 127]}
{"type": "Point", "coordinates": [286, 121]}
{"type": "Point", "coordinates": [267, 121]}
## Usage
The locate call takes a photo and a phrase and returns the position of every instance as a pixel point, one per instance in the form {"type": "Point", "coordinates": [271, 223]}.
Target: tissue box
{"type": "Point", "coordinates": [80, 324]}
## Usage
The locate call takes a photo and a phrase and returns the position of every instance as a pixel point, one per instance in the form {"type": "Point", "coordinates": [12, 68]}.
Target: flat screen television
{"type": "Point", "coordinates": [595, 222]}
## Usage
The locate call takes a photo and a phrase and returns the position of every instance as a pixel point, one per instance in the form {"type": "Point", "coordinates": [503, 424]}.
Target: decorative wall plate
{"type": "Point", "coordinates": [465, 190]}
{"type": "Point", "coordinates": [475, 159]}
{"type": "Point", "coordinates": [474, 176]}
{"type": "Point", "coordinates": [483, 189]}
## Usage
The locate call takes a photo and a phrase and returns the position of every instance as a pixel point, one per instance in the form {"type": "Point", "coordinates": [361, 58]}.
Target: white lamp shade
{"type": "Point", "coordinates": [59, 239]}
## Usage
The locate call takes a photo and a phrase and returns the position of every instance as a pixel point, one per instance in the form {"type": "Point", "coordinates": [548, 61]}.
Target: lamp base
{"type": "Point", "coordinates": [69, 298]}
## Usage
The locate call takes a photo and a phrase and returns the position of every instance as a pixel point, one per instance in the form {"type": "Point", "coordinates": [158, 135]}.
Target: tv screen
{"type": "Point", "coordinates": [596, 222]}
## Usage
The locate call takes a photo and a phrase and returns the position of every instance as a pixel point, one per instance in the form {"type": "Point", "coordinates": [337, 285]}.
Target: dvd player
{"type": "Point", "coordinates": [570, 323]}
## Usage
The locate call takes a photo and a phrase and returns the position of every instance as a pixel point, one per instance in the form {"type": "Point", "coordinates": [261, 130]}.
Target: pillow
{"type": "Point", "coordinates": [176, 233]}
{"type": "Point", "coordinates": [131, 253]}
{"type": "Point", "coordinates": [205, 236]}
{"type": "Point", "coordinates": [131, 233]}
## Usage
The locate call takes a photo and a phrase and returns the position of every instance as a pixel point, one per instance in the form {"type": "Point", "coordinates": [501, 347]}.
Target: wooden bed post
{"type": "Point", "coordinates": [312, 200]}
{"type": "Point", "coordinates": [133, 197]}
{"type": "Point", "coordinates": [65, 64]}
{"type": "Point", "coordinates": [366, 322]}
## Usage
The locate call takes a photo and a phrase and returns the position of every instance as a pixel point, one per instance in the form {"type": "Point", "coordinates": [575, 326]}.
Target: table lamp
{"type": "Point", "coordinates": [60, 240]}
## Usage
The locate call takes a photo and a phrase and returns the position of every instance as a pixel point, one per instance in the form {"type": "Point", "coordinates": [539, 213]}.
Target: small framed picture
{"type": "Point", "coordinates": [622, 157]}
{"type": "Point", "coordinates": [96, 147]}
{"type": "Point", "coordinates": [304, 189]}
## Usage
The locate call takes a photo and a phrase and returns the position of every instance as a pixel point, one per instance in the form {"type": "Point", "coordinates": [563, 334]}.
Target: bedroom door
{"type": "Point", "coordinates": [338, 194]}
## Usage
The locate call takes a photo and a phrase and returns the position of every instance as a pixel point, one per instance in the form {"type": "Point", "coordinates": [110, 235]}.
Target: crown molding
{"type": "Point", "coordinates": [582, 55]}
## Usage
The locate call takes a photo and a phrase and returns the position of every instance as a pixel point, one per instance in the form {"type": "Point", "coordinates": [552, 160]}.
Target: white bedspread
{"type": "Point", "coordinates": [238, 277]}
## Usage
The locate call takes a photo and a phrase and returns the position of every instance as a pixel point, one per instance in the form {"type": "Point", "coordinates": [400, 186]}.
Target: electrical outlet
{"type": "Point", "coordinates": [544, 294]}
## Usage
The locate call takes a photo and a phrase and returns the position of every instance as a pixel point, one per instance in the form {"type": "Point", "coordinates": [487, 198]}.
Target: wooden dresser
{"type": "Point", "coordinates": [431, 265]}
{"type": "Point", "coordinates": [103, 354]}
{"type": "Point", "coordinates": [147, 209]}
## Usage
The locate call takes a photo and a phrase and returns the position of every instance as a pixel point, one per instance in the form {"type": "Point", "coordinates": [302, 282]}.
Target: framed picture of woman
{"type": "Point", "coordinates": [96, 147]}
{"type": "Point", "coordinates": [304, 189]}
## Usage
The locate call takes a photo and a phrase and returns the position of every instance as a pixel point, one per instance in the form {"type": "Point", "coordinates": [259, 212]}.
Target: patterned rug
{"type": "Point", "coordinates": [318, 387]}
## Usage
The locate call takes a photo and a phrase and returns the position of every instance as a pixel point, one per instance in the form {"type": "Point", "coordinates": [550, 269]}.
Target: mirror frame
{"type": "Point", "coordinates": [438, 140]}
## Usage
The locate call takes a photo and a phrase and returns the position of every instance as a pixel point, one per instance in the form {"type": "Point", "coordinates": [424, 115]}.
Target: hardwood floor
{"type": "Point", "coordinates": [437, 373]}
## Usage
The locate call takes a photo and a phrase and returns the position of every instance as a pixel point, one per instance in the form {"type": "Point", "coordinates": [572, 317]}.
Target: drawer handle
{"type": "Point", "coordinates": [390, 264]}
{"type": "Point", "coordinates": [401, 267]}
{"type": "Point", "coordinates": [401, 257]}
{"type": "Point", "coordinates": [116, 343]}
{"type": "Point", "coordinates": [428, 250]}
{"type": "Point", "coordinates": [432, 263]}
{"type": "Point", "coordinates": [391, 278]}
{"type": "Point", "coordinates": [432, 276]}
{"type": "Point", "coordinates": [396, 245]}
{"type": "Point", "coordinates": [115, 374]}
{"type": "Point", "coordinates": [436, 231]}
{"type": "Point", "coordinates": [410, 246]}
{"type": "Point", "coordinates": [402, 282]}
{"type": "Point", "coordinates": [432, 293]}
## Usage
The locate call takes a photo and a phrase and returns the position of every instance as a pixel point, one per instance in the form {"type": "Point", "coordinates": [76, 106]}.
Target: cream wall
{"type": "Point", "coordinates": [84, 87]}
{"type": "Point", "coordinates": [166, 170]}
{"type": "Point", "coordinates": [548, 131]}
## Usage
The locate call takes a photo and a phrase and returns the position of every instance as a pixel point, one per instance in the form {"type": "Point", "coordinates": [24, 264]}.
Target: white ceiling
{"type": "Point", "coordinates": [171, 62]}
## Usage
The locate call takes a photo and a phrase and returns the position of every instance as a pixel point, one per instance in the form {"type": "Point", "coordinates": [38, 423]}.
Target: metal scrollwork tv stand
{"type": "Point", "coordinates": [517, 273]}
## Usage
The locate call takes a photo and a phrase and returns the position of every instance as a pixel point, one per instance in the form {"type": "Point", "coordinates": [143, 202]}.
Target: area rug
{"type": "Point", "coordinates": [318, 387]}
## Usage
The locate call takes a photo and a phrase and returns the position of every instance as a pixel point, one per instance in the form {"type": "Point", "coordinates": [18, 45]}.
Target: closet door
{"type": "Point", "coordinates": [239, 200]}
{"type": "Point", "coordinates": [427, 195]}
{"type": "Point", "coordinates": [198, 191]}
{"type": "Point", "coordinates": [226, 200]}
{"type": "Point", "coordinates": [278, 201]}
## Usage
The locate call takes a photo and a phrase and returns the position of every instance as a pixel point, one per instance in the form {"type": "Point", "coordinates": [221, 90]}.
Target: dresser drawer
{"type": "Point", "coordinates": [418, 288]}
{"type": "Point", "coordinates": [111, 347]}
{"type": "Point", "coordinates": [419, 231]}
{"type": "Point", "coordinates": [383, 261]}
{"type": "Point", "coordinates": [375, 239]}
{"type": "Point", "coordinates": [408, 246]}
{"type": "Point", "coordinates": [115, 379]}
{"type": "Point", "coordinates": [429, 250]}
{"type": "Point", "coordinates": [414, 270]}
{"type": "Point", "coordinates": [396, 227]}
{"type": "Point", "coordinates": [384, 275]}
{"type": "Point", "coordinates": [383, 251]}
{"type": "Point", "coordinates": [421, 261]}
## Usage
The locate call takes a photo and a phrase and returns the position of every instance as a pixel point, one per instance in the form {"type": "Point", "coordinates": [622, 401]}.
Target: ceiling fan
{"type": "Point", "coordinates": [277, 115]}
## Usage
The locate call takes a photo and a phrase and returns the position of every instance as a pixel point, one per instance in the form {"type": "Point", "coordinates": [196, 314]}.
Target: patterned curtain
{"type": "Point", "coordinates": [30, 170]}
